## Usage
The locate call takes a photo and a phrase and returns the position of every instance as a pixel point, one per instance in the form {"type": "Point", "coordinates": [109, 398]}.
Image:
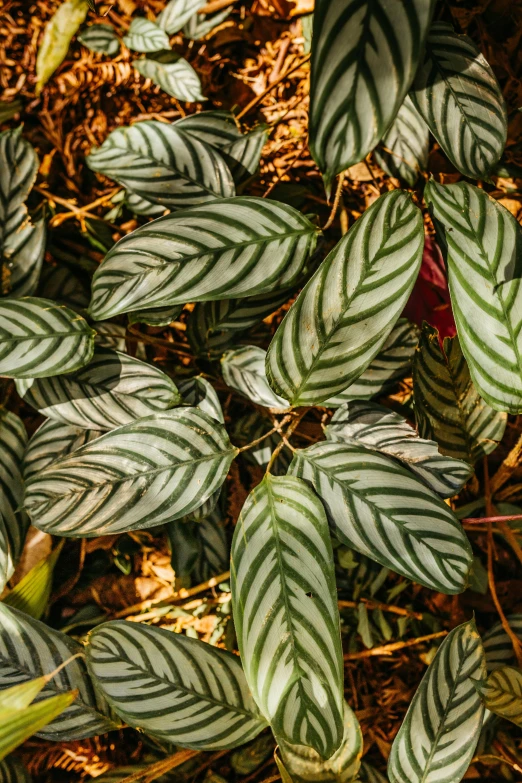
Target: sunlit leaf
{"type": "Point", "coordinates": [52, 440]}
{"type": "Point", "coordinates": [177, 13]}
{"type": "Point", "coordinates": [146, 36]}
{"type": "Point", "coordinates": [57, 36]}
{"type": "Point", "coordinates": [17, 726]}
{"type": "Point", "coordinates": [32, 593]}
{"type": "Point", "coordinates": [244, 370]}
{"type": "Point", "coordinates": [199, 393]}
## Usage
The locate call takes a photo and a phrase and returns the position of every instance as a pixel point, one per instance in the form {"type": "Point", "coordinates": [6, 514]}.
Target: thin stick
{"type": "Point", "coordinates": [388, 649]}
{"type": "Point", "coordinates": [270, 87]}
{"type": "Point", "coordinates": [153, 771]}
{"type": "Point", "coordinates": [288, 168]}
{"type": "Point", "coordinates": [215, 5]}
{"type": "Point", "coordinates": [60, 218]}
{"type": "Point", "coordinates": [496, 520]}
{"type": "Point", "coordinates": [337, 201]}
{"type": "Point", "coordinates": [258, 440]}
{"type": "Point", "coordinates": [378, 605]}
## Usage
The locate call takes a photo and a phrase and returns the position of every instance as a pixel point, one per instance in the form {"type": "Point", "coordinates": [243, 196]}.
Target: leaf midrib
{"type": "Point", "coordinates": [47, 336]}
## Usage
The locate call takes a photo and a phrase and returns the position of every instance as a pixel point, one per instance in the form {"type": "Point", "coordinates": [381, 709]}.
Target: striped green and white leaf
{"type": "Point", "coordinates": [51, 441]}
{"type": "Point", "coordinates": [29, 649]}
{"type": "Point", "coordinates": [441, 729]}
{"type": "Point", "coordinates": [155, 469]}
{"type": "Point", "coordinates": [391, 365]}
{"type": "Point", "coordinates": [100, 38]}
{"type": "Point", "coordinates": [163, 165]}
{"type": "Point", "coordinates": [380, 509]}
{"type": "Point", "coordinates": [199, 393]}
{"type": "Point", "coordinates": [502, 693]}
{"type": "Point", "coordinates": [177, 689]}
{"type": "Point", "coordinates": [206, 508]}
{"type": "Point", "coordinates": [403, 151]}
{"type": "Point", "coordinates": [13, 523]}
{"type": "Point", "coordinates": [497, 644]}
{"type": "Point", "coordinates": [160, 316]}
{"type": "Point", "coordinates": [369, 774]}
{"type": "Point", "coordinates": [59, 284]}
{"type": "Point", "coordinates": [285, 613]}
{"type": "Point", "coordinates": [177, 13]}
{"type": "Point", "coordinates": [22, 243]}
{"type": "Point", "coordinates": [483, 249]}
{"type": "Point", "coordinates": [13, 771]}
{"type": "Point", "coordinates": [345, 313]}
{"type": "Point", "coordinates": [113, 336]}
{"type": "Point", "coordinates": [459, 98]}
{"type": "Point", "coordinates": [140, 205]}
{"type": "Point", "coordinates": [39, 338]}
{"type": "Point", "coordinates": [175, 76]}
{"type": "Point", "coordinates": [17, 725]}
{"type": "Point", "coordinates": [200, 25]}
{"type": "Point", "coordinates": [243, 155]}
{"type": "Point", "coordinates": [146, 36]}
{"type": "Point", "coordinates": [215, 548]}
{"type": "Point", "coordinates": [448, 407]}
{"type": "Point", "coordinates": [364, 58]}
{"type": "Point", "coordinates": [230, 248]}
{"type": "Point", "coordinates": [380, 429]}
{"type": "Point", "coordinates": [302, 763]}
{"type": "Point", "coordinates": [243, 369]}
{"type": "Point", "coordinates": [114, 389]}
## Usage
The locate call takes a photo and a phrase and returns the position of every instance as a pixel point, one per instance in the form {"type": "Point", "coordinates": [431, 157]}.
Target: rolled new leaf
{"type": "Point", "coordinates": [345, 313]}
{"type": "Point", "coordinates": [439, 734]}
{"type": "Point", "coordinates": [155, 469]}
{"type": "Point", "coordinates": [186, 257]}
{"type": "Point", "coordinates": [244, 370]}
{"type": "Point", "coordinates": [482, 242]}
{"type": "Point", "coordinates": [502, 693]}
{"type": "Point", "coordinates": [29, 649]}
{"type": "Point", "coordinates": [286, 615]}
{"type": "Point", "coordinates": [114, 389]}
{"type": "Point", "coordinates": [39, 338]}
{"type": "Point", "coordinates": [177, 689]}
{"type": "Point", "coordinates": [364, 58]}
{"type": "Point", "coordinates": [380, 509]}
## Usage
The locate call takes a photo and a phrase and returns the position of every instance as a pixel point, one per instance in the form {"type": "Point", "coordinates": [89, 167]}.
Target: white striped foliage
{"type": "Point", "coordinates": [345, 313]}
{"type": "Point", "coordinates": [51, 441]}
{"type": "Point", "coordinates": [448, 408]}
{"type": "Point", "coordinates": [140, 205]}
{"type": "Point", "coordinates": [483, 249]}
{"type": "Point", "coordinates": [59, 284]}
{"type": "Point", "coordinates": [146, 36]}
{"type": "Point", "coordinates": [459, 98]}
{"type": "Point", "coordinates": [364, 58]}
{"type": "Point", "coordinates": [162, 164]}
{"type": "Point", "coordinates": [29, 649]}
{"type": "Point", "coordinates": [392, 364]}
{"type": "Point", "coordinates": [230, 248]}
{"type": "Point", "coordinates": [13, 523]}
{"type": "Point", "coordinates": [215, 549]}
{"type": "Point", "coordinates": [13, 771]}
{"type": "Point", "coordinates": [380, 509]}
{"type": "Point", "coordinates": [497, 644]}
{"type": "Point", "coordinates": [243, 369]}
{"type": "Point", "coordinates": [177, 689]}
{"type": "Point", "coordinates": [439, 734]}
{"type": "Point", "coordinates": [177, 13]}
{"type": "Point", "coordinates": [403, 151]}
{"type": "Point", "coordinates": [501, 693]}
{"type": "Point", "coordinates": [39, 338]}
{"type": "Point", "coordinates": [304, 765]}
{"type": "Point", "coordinates": [22, 243]}
{"type": "Point", "coordinates": [200, 25]}
{"type": "Point", "coordinates": [285, 613]}
{"type": "Point", "coordinates": [114, 389]}
{"type": "Point", "coordinates": [384, 431]}
{"type": "Point", "coordinates": [175, 76]}
{"type": "Point", "coordinates": [100, 38]}
{"type": "Point", "coordinates": [155, 469]}
{"type": "Point", "coordinates": [199, 393]}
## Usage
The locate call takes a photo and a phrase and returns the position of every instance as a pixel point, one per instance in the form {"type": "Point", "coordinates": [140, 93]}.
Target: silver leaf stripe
{"type": "Point", "coordinates": [140, 205]}
{"type": "Point", "coordinates": [155, 469]}
{"type": "Point", "coordinates": [199, 393]}
{"type": "Point", "coordinates": [364, 58]}
{"type": "Point", "coordinates": [39, 338]}
{"type": "Point", "coordinates": [382, 430]}
{"type": "Point", "coordinates": [53, 440]}
{"type": "Point", "coordinates": [381, 510]}
{"type": "Point", "coordinates": [483, 243]}
{"type": "Point", "coordinates": [146, 36]}
{"type": "Point", "coordinates": [201, 24]}
{"type": "Point", "coordinates": [497, 644]}
{"type": "Point", "coordinates": [230, 248]}
{"type": "Point", "coordinates": [448, 407]}
{"type": "Point", "coordinates": [100, 38]}
{"type": "Point", "coordinates": [13, 771]}
{"type": "Point", "coordinates": [459, 98]}
{"type": "Point", "coordinates": [345, 313]}
{"type": "Point", "coordinates": [285, 613]}
{"type": "Point", "coordinates": [177, 78]}
{"type": "Point", "coordinates": [162, 164]}
{"type": "Point", "coordinates": [177, 13]}
{"type": "Point", "coordinates": [174, 688]}
{"type": "Point", "coordinates": [28, 649]}
{"type": "Point", "coordinates": [502, 693]}
{"type": "Point", "coordinates": [244, 370]}
{"type": "Point", "coordinates": [215, 550]}
{"type": "Point", "coordinates": [114, 389]}
{"type": "Point", "coordinates": [439, 734]}
{"type": "Point", "coordinates": [13, 523]}
{"type": "Point", "coordinates": [403, 151]}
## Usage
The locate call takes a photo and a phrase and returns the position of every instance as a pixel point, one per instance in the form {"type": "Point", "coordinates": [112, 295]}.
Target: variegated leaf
{"type": "Point", "coordinates": [29, 649]}
{"type": "Point", "coordinates": [244, 370]}
{"type": "Point", "coordinates": [13, 771]}
{"type": "Point", "coordinates": [100, 38]}
{"type": "Point", "coordinates": [459, 98]}
{"type": "Point", "coordinates": [382, 430]}
{"type": "Point", "coordinates": [403, 151]}
{"type": "Point", "coordinates": [39, 338]}
{"type": "Point", "coordinates": [146, 36]}
{"type": "Point", "coordinates": [230, 248]}
{"type": "Point", "coordinates": [199, 393]}
{"type": "Point", "coordinates": [13, 523]}
{"type": "Point", "coordinates": [345, 313]}
{"type": "Point", "coordinates": [177, 689]}
{"type": "Point", "coordinates": [380, 509]}
{"type": "Point", "coordinates": [483, 248]}
{"type": "Point", "coordinates": [215, 548]}
{"type": "Point", "coordinates": [176, 77]}
{"type": "Point", "coordinates": [285, 613]}
{"type": "Point", "coordinates": [51, 441]}
{"type": "Point", "coordinates": [140, 205]}
{"type": "Point", "coordinates": [114, 389]}
{"type": "Point", "coordinates": [441, 729]}
{"type": "Point", "coordinates": [497, 644]}
{"type": "Point", "coordinates": [502, 693]}
{"type": "Point", "coordinates": [448, 407]}
{"type": "Point", "coordinates": [177, 13]}
{"type": "Point", "coordinates": [364, 58]}
{"type": "Point", "coordinates": [153, 470]}
{"type": "Point", "coordinates": [200, 25]}
{"type": "Point", "coordinates": [162, 164]}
